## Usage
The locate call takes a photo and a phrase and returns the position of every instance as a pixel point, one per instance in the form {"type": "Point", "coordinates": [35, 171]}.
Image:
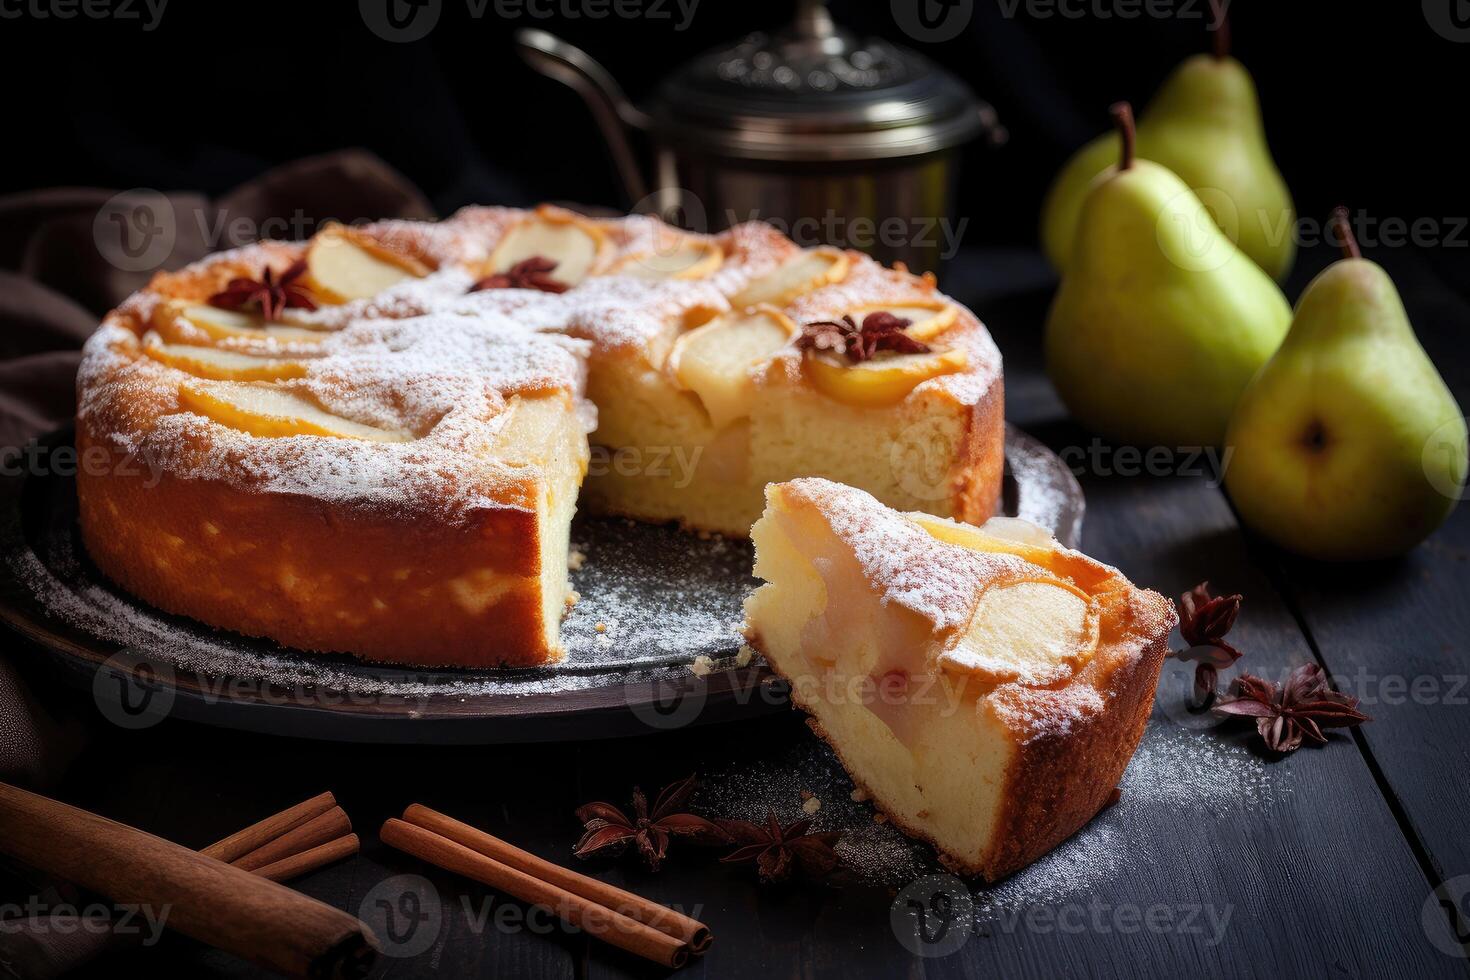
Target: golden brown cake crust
{"type": "Point", "coordinates": [315, 577]}
{"type": "Point", "coordinates": [1063, 776]}
{"type": "Point", "coordinates": [980, 469]}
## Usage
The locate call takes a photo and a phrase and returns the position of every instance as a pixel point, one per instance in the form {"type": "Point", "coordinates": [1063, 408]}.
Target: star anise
{"type": "Point", "coordinates": [1300, 708]}
{"type": "Point", "coordinates": [609, 827]}
{"type": "Point", "coordinates": [776, 850]}
{"type": "Point", "coordinates": [532, 273]}
{"type": "Point", "coordinates": [879, 331]}
{"type": "Point", "coordinates": [270, 294]}
{"type": "Point", "coordinates": [1203, 622]}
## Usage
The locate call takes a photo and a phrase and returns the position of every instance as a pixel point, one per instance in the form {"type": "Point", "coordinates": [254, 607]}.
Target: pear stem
{"type": "Point", "coordinates": [1342, 222]}
{"type": "Point", "coordinates": [1221, 28]}
{"type": "Point", "coordinates": [1122, 114]}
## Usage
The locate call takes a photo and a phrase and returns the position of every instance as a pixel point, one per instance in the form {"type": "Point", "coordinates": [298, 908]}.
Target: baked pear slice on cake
{"type": "Point", "coordinates": [985, 686]}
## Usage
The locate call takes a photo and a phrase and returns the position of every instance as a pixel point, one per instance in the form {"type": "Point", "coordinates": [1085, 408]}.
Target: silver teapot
{"type": "Point", "coordinates": [834, 140]}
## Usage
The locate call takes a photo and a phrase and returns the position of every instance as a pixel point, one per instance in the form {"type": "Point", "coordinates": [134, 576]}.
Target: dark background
{"type": "Point", "coordinates": [1364, 107]}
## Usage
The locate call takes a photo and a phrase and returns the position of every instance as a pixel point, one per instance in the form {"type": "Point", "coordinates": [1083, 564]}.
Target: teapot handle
{"type": "Point", "coordinates": [575, 68]}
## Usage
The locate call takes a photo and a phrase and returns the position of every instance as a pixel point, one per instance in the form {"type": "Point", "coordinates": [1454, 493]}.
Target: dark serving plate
{"type": "Point", "coordinates": [663, 597]}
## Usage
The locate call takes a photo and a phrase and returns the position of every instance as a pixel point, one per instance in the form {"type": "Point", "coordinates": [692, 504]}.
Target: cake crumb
{"type": "Point", "coordinates": [573, 597]}
{"type": "Point", "coordinates": [601, 627]}
{"type": "Point", "coordinates": [811, 806]}
{"type": "Point", "coordinates": [859, 796]}
{"type": "Point", "coordinates": [575, 560]}
{"type": "Point", "coordinates": [702, 666]}
{"type": "Point", "coordinates": [745, 656]}
{"type": "Point", "coordinates": [880, 818]}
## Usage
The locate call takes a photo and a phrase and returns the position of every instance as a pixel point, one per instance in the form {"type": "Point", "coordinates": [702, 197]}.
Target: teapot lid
{"type": "Point", "coordinates": [815, 92]}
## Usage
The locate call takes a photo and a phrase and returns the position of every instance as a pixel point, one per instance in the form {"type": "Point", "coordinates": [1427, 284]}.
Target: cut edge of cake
{"type": "Point", "coordinates": [993, 752]}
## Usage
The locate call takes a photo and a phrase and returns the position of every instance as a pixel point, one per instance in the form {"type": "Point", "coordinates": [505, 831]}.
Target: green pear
{"type": "Point", "coordinates": [1204, 125]}
{"type": "Point", "coordinates": [1160, 321]}
{"type": "Point", "coordinates": [1348, 444]}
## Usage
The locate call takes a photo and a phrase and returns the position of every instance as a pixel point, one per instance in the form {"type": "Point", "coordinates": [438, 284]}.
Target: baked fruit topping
{"type": "Point", "coordinates": [573, 246]}
{"type": "Point", "coordinates": [273, 412]}
{"type": "Point", "coordinates": [690, 258]}
{"type": "Point", "coordinates": [221, 324]}
{"type": "Point", "coordinates": [884, 379]}
{"type": "Point", "coordinates": [809, 270]}
{"type": "Point", "coordinates": [343, 265]}
{"type": "Point", "coordinates": [718, 360]}
{"type": "Point", "coordinates": [221, 365]}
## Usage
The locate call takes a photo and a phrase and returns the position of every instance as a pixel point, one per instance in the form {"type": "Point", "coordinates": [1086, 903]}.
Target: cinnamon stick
{"type": "Point", "coordinates": [259, 920]}
{"type": "Point", "coordinates": [242, 842]}
{"type": "Point", "coordinates": [644, 910]}
{"type": "Point", "coordinates": [309, 860]}
{"type": "Point", "coordinates": [318, 830]}
{"type": "Point", "coordinates": [599, 922]}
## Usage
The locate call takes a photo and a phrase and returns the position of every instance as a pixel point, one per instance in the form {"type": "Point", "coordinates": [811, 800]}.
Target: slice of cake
{"type": "Point", "coordinates": [985, 686]}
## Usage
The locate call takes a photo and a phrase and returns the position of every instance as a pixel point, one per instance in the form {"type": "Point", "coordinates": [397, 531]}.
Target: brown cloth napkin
{"type": "Point", "coordinates": [67, 255]}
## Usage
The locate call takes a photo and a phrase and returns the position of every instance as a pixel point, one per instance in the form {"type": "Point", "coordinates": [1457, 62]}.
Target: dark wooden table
{"type": "Point", "coordinates": [1336, 876]}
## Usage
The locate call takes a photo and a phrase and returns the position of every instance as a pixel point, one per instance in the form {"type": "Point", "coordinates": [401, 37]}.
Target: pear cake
{"type": "Point", "coordinates": [373, 442]}
{"type": "Point", "coordinates": [984, 685]}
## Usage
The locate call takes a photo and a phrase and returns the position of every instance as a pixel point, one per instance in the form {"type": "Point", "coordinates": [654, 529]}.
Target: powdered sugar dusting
{"type": "Point", "coordinates": [431, 358]}
{"type": "Point", "coordinates": [1176, 776]}
{"type": "Point", "coordinates": [906, 563]}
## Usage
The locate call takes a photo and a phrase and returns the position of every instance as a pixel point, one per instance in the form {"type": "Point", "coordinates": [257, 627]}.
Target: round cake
{"type": "Point", "coordinates": [373, 442]}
